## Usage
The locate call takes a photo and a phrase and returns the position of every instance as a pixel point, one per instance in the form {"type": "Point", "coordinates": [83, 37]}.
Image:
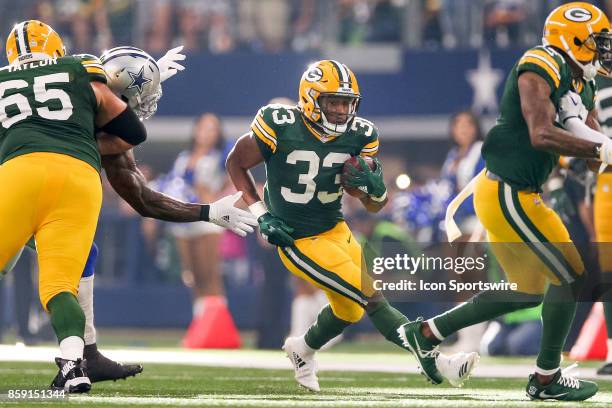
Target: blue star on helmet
{"type": "Point", "coordinates": [138, 80]}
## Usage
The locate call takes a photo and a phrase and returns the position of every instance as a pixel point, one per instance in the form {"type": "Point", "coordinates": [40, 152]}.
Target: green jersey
{"type": "Point", "coordinates": [303, 169]}
{"type": "Point", "coordinates": [507, 149]}
{"type": "Point", "coordinates": [49, 106]}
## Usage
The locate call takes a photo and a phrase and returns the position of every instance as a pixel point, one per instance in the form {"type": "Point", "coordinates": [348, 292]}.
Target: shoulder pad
{"type": "Point", "coordinates": [271, 119]}
{"type": "Point", "coordinates": [544, 60]}
{"type": "Point", "coordinates": [364, 128]}
{"type": "Point", "coordinates": [268, 124]}
{"type": "Point", "coordinates": [367, 133]}
{"type": "Point", "coordinates": [278, 115]}
{"type": "Point", "coordinates": [93, 66]}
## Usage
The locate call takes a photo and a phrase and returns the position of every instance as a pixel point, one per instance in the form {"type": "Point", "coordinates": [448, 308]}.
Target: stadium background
{"type": "Point", "coordinates": [417, 62]}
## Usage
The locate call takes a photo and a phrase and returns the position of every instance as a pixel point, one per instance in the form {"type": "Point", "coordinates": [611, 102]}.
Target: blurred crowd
{"type": "Point", "coordinates": [221, 26]}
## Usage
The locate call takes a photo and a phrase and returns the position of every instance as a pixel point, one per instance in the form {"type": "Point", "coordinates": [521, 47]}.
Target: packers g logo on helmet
{"type": "Point", "coordinates": [583, 32]}
{"type": "Point", "coordinates": [33, 39]}
{"type": "Point", "coordinates": [578, 14]}
{"type": "Point", "coordinates": [328, 78]}
{"type": "Point", "coordinates": [313, 75]}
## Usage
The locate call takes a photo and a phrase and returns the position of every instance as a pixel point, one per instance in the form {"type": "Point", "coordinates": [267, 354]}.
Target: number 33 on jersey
{"type": "Point", "coordinates": [303, 169]}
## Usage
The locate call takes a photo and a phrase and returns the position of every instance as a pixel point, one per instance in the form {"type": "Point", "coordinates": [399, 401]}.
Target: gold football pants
{"type": "Point", "coordinates": [603, 220]}
{"type": "Point", "coordinates": [331, 261]}
{"type": "Point", "coordinates": [528, 238]}
{"type": "Point", "coordinates": [55, 198]}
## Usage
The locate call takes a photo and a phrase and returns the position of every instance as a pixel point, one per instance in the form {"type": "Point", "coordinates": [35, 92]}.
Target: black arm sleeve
{"type": "Point", "coordinates": [127, 126]}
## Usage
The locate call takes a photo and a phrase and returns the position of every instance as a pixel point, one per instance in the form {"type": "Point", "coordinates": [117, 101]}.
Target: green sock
{"type": "Point", "coordinates": [67, 317]}
{"type": "Point", "coordinates": [558, 312]}
{"type": "Point", "coordinates": [325, 328]}
{"type": "Point", "coordinates": [482, 307]}
{"type": "Point", "coordinates": [387, 320]}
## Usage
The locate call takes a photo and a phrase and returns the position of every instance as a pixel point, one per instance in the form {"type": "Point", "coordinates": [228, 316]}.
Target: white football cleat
{"type": "Point", "coordinates": [304, 364]}
{"type": "Point", "coordinates": [457, 367]}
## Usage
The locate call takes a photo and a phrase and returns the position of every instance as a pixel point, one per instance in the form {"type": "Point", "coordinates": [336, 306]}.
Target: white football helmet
{"type": "Point", "coordinates": [134, 76]}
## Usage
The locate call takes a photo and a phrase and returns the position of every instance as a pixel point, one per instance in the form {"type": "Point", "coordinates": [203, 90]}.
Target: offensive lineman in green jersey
{"type": "Point", "coordinates": [304, 148]}
{"type": "Point", "coordinates": [50, 172]}
{"type": "Point", "coordinates": [120, 64]}
{"type": "Point", "coordinates": [529, 239]}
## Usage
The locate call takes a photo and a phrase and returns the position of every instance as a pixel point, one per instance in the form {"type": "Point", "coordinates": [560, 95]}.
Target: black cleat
{"type": "Point", "coordinates": [102, 368]}
{"type": "Point", "coordinates": [605, 369]}
{"type": "Point", "coordinates": [72, 376]}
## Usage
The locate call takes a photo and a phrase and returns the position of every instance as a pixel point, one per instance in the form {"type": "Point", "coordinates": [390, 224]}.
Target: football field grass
{"type": "Point", "coordinates": [183, 385]}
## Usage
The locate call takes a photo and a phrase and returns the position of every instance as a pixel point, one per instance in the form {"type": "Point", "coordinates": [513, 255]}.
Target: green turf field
{"type": "Point", "coordinates": [171, 385]}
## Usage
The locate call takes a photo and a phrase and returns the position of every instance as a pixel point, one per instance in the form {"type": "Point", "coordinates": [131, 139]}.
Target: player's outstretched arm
{"type": "Point", "coordinates": [539, 113]}
{"type": "Point", "coordinates": [109, 144]}
{"type": "Point", "coordinates": [121, 128]}
{"type": "Point", "coordinates": [128, 181]}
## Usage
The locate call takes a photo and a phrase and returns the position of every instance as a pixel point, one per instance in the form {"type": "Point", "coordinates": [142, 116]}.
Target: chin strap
{"type": "Point", "coordinates": [589, 71]}
{"type": "Point", "coordinates": [330, 132]}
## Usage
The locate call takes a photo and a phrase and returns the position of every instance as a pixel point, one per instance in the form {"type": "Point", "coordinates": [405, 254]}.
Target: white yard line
{"type": "Point", "coordinates": [358, 396]}
{"type": "Point", "coordinates": [388, 363]}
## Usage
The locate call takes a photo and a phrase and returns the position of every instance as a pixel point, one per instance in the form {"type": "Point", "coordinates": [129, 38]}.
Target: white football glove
{"type": "Point", "coordinates": [168, 65]}
{"type": "Point", "coordinates": [571, 106]}
{"type": "Point", "coordinates": [223, 213]}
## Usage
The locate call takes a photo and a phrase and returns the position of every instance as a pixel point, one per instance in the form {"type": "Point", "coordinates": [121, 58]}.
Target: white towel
{"type": "Point", "coordinates": [452, 230]}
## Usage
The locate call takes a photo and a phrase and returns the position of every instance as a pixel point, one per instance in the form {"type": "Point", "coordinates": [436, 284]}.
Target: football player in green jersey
{"type": "Point", "coordinates": [50, 172]}
{"type": "Point", "coordinates": [528, 238]}
{"type": "Point", "coordinates": [304, 148]}
{"type": "Point", "coordinates": [127, 180]}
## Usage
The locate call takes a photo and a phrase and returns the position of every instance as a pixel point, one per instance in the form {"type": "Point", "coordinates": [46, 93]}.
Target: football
{"type": "Point", "coordinates": [353, 161]}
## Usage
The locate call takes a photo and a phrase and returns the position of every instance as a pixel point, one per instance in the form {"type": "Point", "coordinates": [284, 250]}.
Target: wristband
{"type": "Point", "coordinates": [258, 209]}
{"type": "Point", "coordinates": [379, 199]}
{"type": "Point", "coordinates": [205, 212]}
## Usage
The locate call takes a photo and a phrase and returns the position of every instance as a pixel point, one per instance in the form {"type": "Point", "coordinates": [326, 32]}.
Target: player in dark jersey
{"type": "Point", "coordinates": [304, 148]}
{"type": "Point", "coordinates": [528, 238]}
